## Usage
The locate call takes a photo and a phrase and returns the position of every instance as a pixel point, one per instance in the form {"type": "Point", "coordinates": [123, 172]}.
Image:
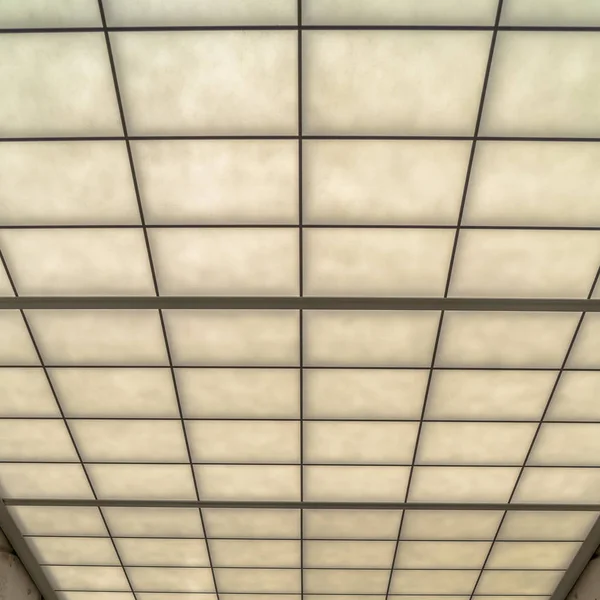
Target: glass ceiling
{"type": "Point", "coordinates": [312, 152]}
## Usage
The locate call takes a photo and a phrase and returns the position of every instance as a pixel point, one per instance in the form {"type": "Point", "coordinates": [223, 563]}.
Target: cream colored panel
{"type": "Point", "coordinates": [129, 441]}
{"type": "Point", "coordinates": [532, 555]}
{"type": "Point", "coordinates": [534, 183]}
{"type": "Point", "coordinates": [518, 582]}
{"type": "Point", "coordinates": [339, 443]}
{"type": "Point", "coordinates": [175, 596]}
{"type": "Point", "coordinates": [201, 12]}
{"type": "Point", "coordinates": [30, 480]}
{"type": "Point", "coordinates": [218, 181]}
{"type": "Point", "coordinates": [363, 394]}
{"type": "Point", "coordinates": [35, 440]}
{"type": "Point", "coordinates": [551, 12]}
{"type": "Point", "coordinates": [441, 555]}
{"type": "Point", "coordinates": [525, 264]}
{"type": "Point", "coordinates": [382, 338]}
{"type": "Point", "coordinates": [142, 482]}
{"type": "Point", "coordinates": [551, 485]}
{"type": "Point", "coordinates": [252, 523]}
{"type": "Point", "coordinates": [576, 397]}
{"type": "Point", "coordinates": [87, 578]}
{"type": "Point", "coordinates": [41, 13]}
{"type": "Point", "coordinates": [242, 393]}
{"type": "Point", "coordinates": [226, 262]}
{"type": "Point", "coordinates": [120, 337]}
{"type": "Point", "coordinates": [434, 582]}
{"type": "Point", "coordinates": [112, 596]}
{"type": "Point", "coordinates": [163, 552]}
{"type": "Point", "coordinates": [73, 551]}
{"type": "Point", "coordinates": [475, 443]}
{"type": "Point", "coordinates": [376, 262]}
{"type": "Point", "coordinates": [15, 343]}
{"type": "Point", "coordinates": [258, 580]}
{"type": "Point", "coordinates": [248, 482]}
{"type": "Point", "coordinates": [84, 262]}
{"type": "Point", "coordinates": [26, 393]}
{"type": "Point", "coordinates": [56, 84]}
{"type": "Point", "coordinates": [66, 183]}
{"type": "Point", "coordinates": [244, 441]}
{"type": "Point", "coordinates": [345, 582]}
{"type": "Point", "coordinates": [348, 554]}
{"type": "Point", "coordinates": [154, 522]}
{"type": "Point", "coordinates": [546, 84]}
{"type": "Point", "coordinates": [115, 392]}
{"type": "Point", "coordinates": [525, 525]}
{"type": "Point", "coordinates": [171, 579]}
{"type": "Point", "coordinates": [586, 350]}
{"type": "Point", "coordinates": [505, 339]}
{"type": "Point", "coordinates": [567, 444]}
{"type": "Point", "coordinates": [352, 524]}
{"type": "Point", "coordinates": [6, 289]}
{"type": "Point", "coordinates": [244, 337]}
{"type": "Point", "coordinates": [58, 520]}
{"type": "Point", "coordinates": [383, 182]}
{"type": "Point", "coordinates": [255, 553]}
{"type": "Point", "coordinates": [462, 484]}
{"type": "Point", "coordinates": [450, 524]}
{"type": "Point", "coordinates": [400, 12]}
{"type": "Point", "coordinates": [386, 82]}
{"type": "Point", "coordinates": [489, 395]}
{"type": "Point", "coordinates": [355, 484]}
{"type": "Point", "coordinates": [200, 81]}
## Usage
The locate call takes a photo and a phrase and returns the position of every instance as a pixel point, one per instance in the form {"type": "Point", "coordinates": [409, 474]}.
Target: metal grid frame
{"type": "Point", "coordinates": [302, 303]}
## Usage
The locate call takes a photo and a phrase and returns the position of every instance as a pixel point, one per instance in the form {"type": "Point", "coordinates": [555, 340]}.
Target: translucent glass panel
{"type": "Point", "coordinates": [35, 13]}
{"type": "Point", "coordinates": [201, 12]}
{"type": "Point", "coordinates": [400, 12]}
{"type": "Point", "coordinates": [353, 81]}
{"type": "Point", "coordinates": [74, 96]}
{"type": "Point", "coordinates": [75, 183]}
{"type": "Point", "coordinates": [161, 98]}
{"type": "Point", "coordinates": [530, 70]}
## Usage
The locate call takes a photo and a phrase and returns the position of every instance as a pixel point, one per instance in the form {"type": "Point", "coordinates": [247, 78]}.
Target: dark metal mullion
{"type": "Point", "coordinates": [312, 595]}
{"type": "Point", "coordinates": [339, 137]}
{"type": "Point", "coordinates": [575, 565]}
{"type": "Point", "coordinates": [320, 27]}
{"type": "Point", "coordinates": [155, 283]}
{"type": "Point", "coordinates": [292, 464]}
{"type": "Point", "coordinates": [355, 226]}
{"type": "Point", "coordinates": [25, 556]}
{"type": "Point", "coordinates": [272, 568]}
{"type": "Point", "coordinates": [299, 85]}
{"type": "Point", "coordinates": [311, 539]}
{"type": "Point", "coordinates": [449, 276]}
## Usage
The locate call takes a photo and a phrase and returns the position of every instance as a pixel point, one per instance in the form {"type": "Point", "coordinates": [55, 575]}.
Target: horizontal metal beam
{"type": "Point", "coordinates": [296, 303]}
{"type": "Point", "coordinates": [291, 27]}
{"type": "Point", "coordinates": [579, 563]}
{"type": "Point", "coordinates": [25, 555]}
{"type": "Point", "coordinates": [299, 505]}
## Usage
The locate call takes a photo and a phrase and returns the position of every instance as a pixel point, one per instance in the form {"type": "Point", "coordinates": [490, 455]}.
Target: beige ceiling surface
{"type": "Point", "coordinates": [312, 148]}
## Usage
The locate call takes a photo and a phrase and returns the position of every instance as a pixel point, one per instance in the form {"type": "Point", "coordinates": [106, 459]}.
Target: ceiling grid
{"type": "Point", "coordinates": [298, 298]}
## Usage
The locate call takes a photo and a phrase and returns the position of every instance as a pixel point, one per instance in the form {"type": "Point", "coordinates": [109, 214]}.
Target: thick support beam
{"type": "Point", "coordinates": [581, 581]}
{"type": "Point", "coordinates": [588, 584]}
{"type": "Point", "coordinates": [15, 583]}
{"type": "Point", "coordinates": [306, 505]}
{"type": "Point", "coordinates": [21, 577]}
{"type": "Point", "coordinates": [297, 303]}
